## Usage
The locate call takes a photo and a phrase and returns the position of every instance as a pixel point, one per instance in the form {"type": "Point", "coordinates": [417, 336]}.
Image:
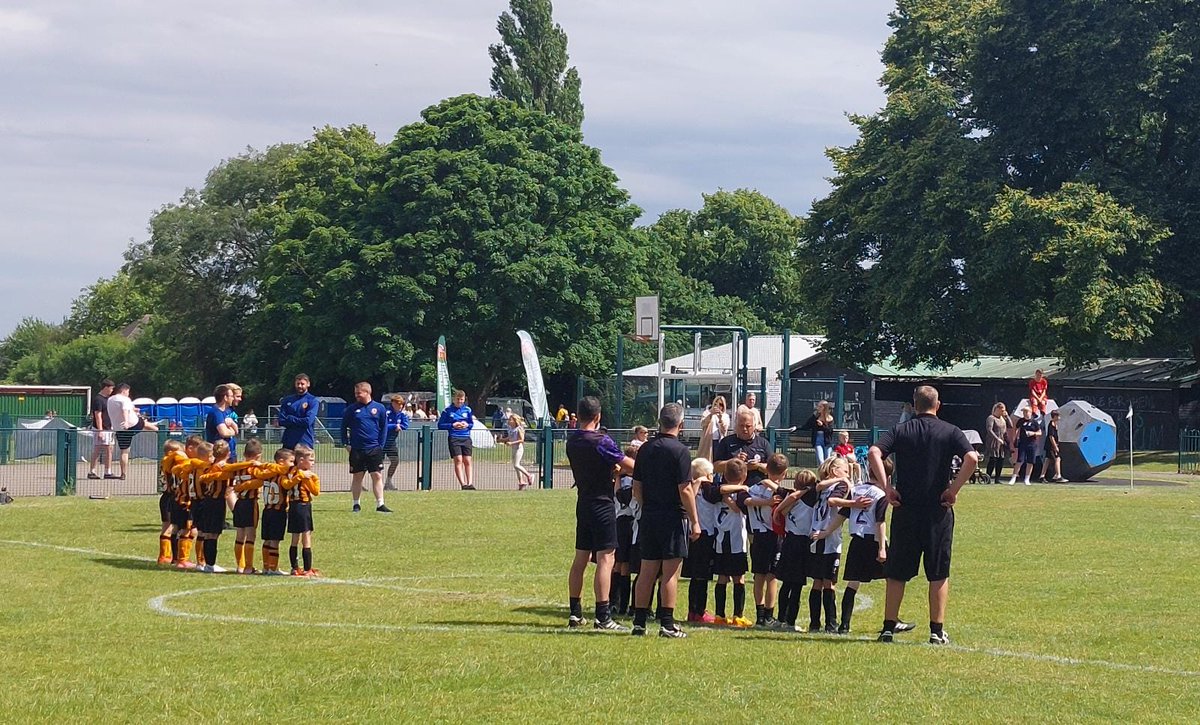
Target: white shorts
{"type": "Point", "coordinates": [103, 438]}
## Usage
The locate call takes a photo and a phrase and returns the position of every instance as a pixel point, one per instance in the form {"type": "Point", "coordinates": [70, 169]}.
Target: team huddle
{"type": "Point", "coordinates": [199, 484]}
{"type": "Point", "coordinates": [667, 515]}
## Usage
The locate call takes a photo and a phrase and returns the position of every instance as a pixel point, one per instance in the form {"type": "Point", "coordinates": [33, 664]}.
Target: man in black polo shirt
{"type": "Point", "coordinates": [746, 445]}
{"type": "Point", "coordinates": [662, 479]}
{"type": "Point", "coordinates": [593, 456]}
{"type": "Point", "coordinates": [922, 497]}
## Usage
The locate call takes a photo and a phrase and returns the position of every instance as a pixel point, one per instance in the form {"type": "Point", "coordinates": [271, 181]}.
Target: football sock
{"type": "Point", "coordinates": [739, 599]}
{"type": "Point", "coordinates": [307, 554]}
{"type": "Point", "coordinates": [576, 607]}
{"type": "Point", "coordinates": [355, 502]}
{"type": "Point", "coordinates": [848, 606]}
{"type": "Point", "coordinates": [719, 597]}
{"type": "Point", "coordinates": [758, 613]}
{"type": "Point", "coordinates": [701, 587]}
{"type": "Point", "coordinates": [814, 608]}
{"type": "Point", "coordinates": [175, 547]}
{"type": "Point", "coordinates": [164, 546]}
{"type": "Point", "coordinates": [614, 589]}
{"type": "Point", "coordinates": [785, 592]}
{"type": "Point", "coordinates": [239, 555]}
{"type": "Point", "coordinates": [199, 550]}
{"type": "Point", "coordinates": [623, 603]}
{"type": "Point", "coordinates": [292, 557]}
{"type": "Point", "coordinates": [889, 625]}
{"type": "Point", "coordinates": [769, 612]}
{"type": "Point", "coordinates": [185, 548]}
{"type": "Point", "coordinates": [210, 552]}
{"type": "Point", "coordinates": [270, 557]}
{"type": "Point", "coordinates": [667, 620]}
{"type": "Point", "coordinates": [640, 615]}
{"type": "Point", "coordinates": [829, 597]}
{"type": "Point", "coordinates": [793, 604]}
{"type": "Point", "coordinates": [602, 612]}
{"type": "Point", "coordinates": [935, 627]}
{"type": "Point", "coordinates": [248, 555]}
{"type": "Point", "coordinates": [661, 613]}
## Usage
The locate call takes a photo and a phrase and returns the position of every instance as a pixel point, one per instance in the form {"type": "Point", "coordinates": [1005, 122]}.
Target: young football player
{"type": "Point", "coordinates": [628, 513]}
{"type": "Point", "coordinates": [729, 558]}
{"type": "Point", "coordinates": [302, 486]}
{"type": "Point", "coordinates": [697, 566]}
{"type": "Point", "coordinates": [209, 510]}
{"type": "Point", "coordinates": [173, 455]}
{"type": "Point", "coordinates": [186, 475]}
{"type": "Point", "coordinates": [764, 543]}
{"type": "Point", "coordinates": [796, 508]}
{"type": "Point", "coordinates": [266, 482]}
{"type": "Point", "coordinates": [245, 510]}
{"type": "Point", "coordinates": [834, 490]}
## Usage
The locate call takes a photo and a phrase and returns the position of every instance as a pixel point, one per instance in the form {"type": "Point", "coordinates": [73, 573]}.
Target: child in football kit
{"type": "Point", "coordinates": [796, 509]}
{"type": "Point", "coordinates": [868, 541]}
{"type": "Point", "coordinates": [173, 455]}
{"type": "Point", "coordinates": [302, 485]}
{"type": "Point", "coordinates": [826, 551]}
{"type": "Point", "coordinates": [697, 565]}
{"type": "Point", "coordinates": [266, 482]}
{"type": "Point", "coordinates": [245, 510]}
{"type": "Point", "coordinates": [729, 548]}
{"type": "Point", "coordinates": [189, 499]}
{"type": "Point", "coordinates": [629, 511]}
{"type": "Point", "coordinates": [209, 511]}
{"type": "Point", "coordinates": [759, 502]}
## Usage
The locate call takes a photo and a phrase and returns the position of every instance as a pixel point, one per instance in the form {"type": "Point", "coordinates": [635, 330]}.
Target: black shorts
{"type": "Point", "coordinates": [299, 518]}
{"type": "Point", "coordinates": [181, 517]}
{"type": "Point", "coordinates": [274, 524]}
{"type": "Point", "coordinates": [164, 507]}
{"type": "Point", "coordinates": [459, 446]}
{"type": "Point", "coordinates": [729, 564]}
{"type": "Point", "coordinates": [125, 437]}
{"type": "Point", "coordinates": [699, 561]}
{"type": "Point", "coordinates": [793, 559]}
{"type": "Point", "coordinates": [1051, 455]}
{"type": "Point", "coordinates": [862, 560]}
{"type": "Point", "coordinates": [824, 566]}
{"type": "Point", "coordinates": [209, 515]}
{"type": "Point", "coordinates": [916, 534]}
{"type": "Point", "coordinates": [663, 536]}
{"type": "Point", "coordinates": [595, 525]}
{"type": "Point", "coordinates": [391, 449]}
{"type": "Point", "coordinates": [366, 461]}
{"type": "Point", "coordinates": [245, 513]}
{"type": "Point", "coordinates": [624, 539]}
{"type": "Point", "coordinates": [764, 552]}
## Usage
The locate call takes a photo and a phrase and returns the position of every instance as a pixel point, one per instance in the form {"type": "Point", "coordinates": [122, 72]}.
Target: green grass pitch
{"type": "Point", "coordinates": [1067, 604]}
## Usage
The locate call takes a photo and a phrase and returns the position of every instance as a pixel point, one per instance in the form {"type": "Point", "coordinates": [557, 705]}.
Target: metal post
{"type": "Point", "coordinates": [839, 405]}
{"type": "Point", "coordinates": [64, 483]}
{"type": "Point", "coordinates": [425, 463]}
{"type": "Point", "coordinates": [771, 437]}
{"type": "Point", "coordinates": [785, 384]}
{"type": "Point", "coordinates": [6, 425]}
{"type": "Point", "coordinates": [619, 397]}
{"type": "Point", "coordinates": [547, 460]}
{"type": "Point", "coordinates": [762, 394]}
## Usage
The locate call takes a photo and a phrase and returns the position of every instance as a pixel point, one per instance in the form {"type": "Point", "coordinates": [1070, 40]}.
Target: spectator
{"type": "Point", "coordinates": [713, 427]}
{"type": "Point", "coordinates": [102, 441]}
{"type": "Point", "coordinates": [821, 425]}
{"type": "Point", "coordinates": [572, 422]}
{"type": "Point", "coordinates": [560, 418]}
{"type": "Point", "coordinates": [515, 440]}
{"type": "Point", "coordinates": [127, 423]}
{"type": "Point", "coordinates": [397, 420]}
{"type": "Point", "coordinates": [751, 405]}
{"type": "Point", "coordinates": [906, 413]}
{"type": "Point", "coordinates": [364, 430]}
{"type": "Point", "coordinates": [417, 412]}
{"type": "Point", "coordinates": [1028, 433]}
{"type": "Point", "coordinates": [1038, 391]}
{"type": "Point", "coordinates": [997, 442]}
{"type": "Point", "coordinates": [298, 415]}
{"type": "Point", "coordinates": [251, 422]}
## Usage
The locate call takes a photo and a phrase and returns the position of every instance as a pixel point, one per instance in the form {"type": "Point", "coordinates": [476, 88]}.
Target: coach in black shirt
{"type": "Point", "coordinates": [923, 497]}
{"type": "Point", "coordinates": [662, 478]}
{"type": "Point", "coordinates": [744, 444]}
{"type": "Point", "coordinates": [594, 456]}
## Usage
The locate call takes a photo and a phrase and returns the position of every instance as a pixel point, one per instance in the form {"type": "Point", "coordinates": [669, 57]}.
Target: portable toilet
{"type": "Point", "coordinates": [145, 406]}
{"type": "Point", "coordinates": [168, 408]}
{"type": "Point", "coordinates": [207, 404]}
{"type": "Point", "coordinates": [189, 412]}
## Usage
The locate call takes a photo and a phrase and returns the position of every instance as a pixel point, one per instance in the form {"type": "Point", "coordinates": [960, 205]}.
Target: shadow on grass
{"type": "Point", "coordinates": [544, 610]}
{"type": "Point", "coordinates": [130, 564]}
{"type": "Point", "coordinates": [142, 528]}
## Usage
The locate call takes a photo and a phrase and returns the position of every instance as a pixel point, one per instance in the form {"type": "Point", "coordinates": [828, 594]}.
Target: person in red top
{"type": "Point", "coordinates": [1038, 387]}
{"type": "Point", "coordinates": [844, 447]}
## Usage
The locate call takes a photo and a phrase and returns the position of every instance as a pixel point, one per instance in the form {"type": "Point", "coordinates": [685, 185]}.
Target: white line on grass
{"type": "Point", "coordinates": [74, 550]}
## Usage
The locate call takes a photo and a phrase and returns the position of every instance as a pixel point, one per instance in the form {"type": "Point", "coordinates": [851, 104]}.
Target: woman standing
{"type": "Point", "coordinates": [516, 442]}
{"type": "Point", "coordinates": [996, 445]}
{"type": "Point", "coordinates": [821, 425]}
{"type": "Point", "coordinates": [713, 427]}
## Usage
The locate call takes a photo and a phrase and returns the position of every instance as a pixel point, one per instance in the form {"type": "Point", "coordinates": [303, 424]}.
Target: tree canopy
{"type": "Point", "coordinates": [529, 64]}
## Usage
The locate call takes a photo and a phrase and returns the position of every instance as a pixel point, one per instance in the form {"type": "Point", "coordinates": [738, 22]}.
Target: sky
{"type": "Point", "coordinates": [113, 109]}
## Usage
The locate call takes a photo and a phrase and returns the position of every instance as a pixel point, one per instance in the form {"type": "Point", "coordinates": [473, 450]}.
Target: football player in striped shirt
{"type": "Point", "coordinates": [209, 511]}
{"type": "Point", "coordinates": [245, 510]}
{"type": "Point", "coordinates": [729, 559]}
{"type": "Point", "coordinates": [697, 566]}
{"type": "Point", "coordinates": [628, 512]}
{"type": "Point", "coordinates": [302, 485]}
{"type": "Point", "coordinates": [173, 455]}
{"type": "Point", "coordinates": [764, 542]}
{"type": "Point", "coordinates": [797, 511]}
{"type": "Point", "coordinates": [826, 551]}
{"type": "Point", "coordinates": [266, 482]}
{"type": "Point", "coordinates": [187, 496]}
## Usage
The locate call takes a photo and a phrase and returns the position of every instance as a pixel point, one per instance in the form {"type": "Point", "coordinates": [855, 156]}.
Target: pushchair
{"type": "Point", "coordinates": [980, 475]}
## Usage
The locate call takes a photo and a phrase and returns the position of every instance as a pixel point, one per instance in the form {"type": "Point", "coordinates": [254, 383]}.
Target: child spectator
{"type": "Point", "coordinates": [1053, 458]}
{"type": "Point", "coordinates": [844, 447]}
{"type": "Point", "coordinates": [1038, 391]}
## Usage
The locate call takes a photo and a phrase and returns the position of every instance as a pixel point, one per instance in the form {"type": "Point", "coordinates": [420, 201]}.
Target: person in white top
{"type": "Point", "coordinates": [751, 405]}
{"type": "Point", "coordinates": [713, 427]}
{"type": "Point", "coordinates": [126, 421]}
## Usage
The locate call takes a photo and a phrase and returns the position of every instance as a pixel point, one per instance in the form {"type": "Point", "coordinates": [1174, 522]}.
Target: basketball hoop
{"type": "Point", "coordinates": [639, 338]}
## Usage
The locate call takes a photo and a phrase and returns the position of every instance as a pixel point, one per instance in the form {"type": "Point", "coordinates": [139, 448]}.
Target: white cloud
{"type": "Point", "coordinates": [112, 109]}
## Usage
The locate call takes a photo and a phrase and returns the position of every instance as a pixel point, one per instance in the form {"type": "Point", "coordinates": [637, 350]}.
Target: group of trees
{"type": "Point", "coordinates": [1027, 189]}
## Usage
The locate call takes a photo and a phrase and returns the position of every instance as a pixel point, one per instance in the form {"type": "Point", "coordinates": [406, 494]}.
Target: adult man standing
{"type": "Point", "coordinates": [298, 415]}
{"type": "Point", "coordinates": [364, 429]}
{"type": "Point", "coordinates": [593, 455]}
{"type": "Point", "coordinates": [751, 404]}
{"type": "Point", "coordinates": [662, 484]}
{"type": "Point", "coordinates": [458, 420]}
{"type": "Point", "coordinates": [126, 422]}
{"type": "Point", "coordinates": [745, 445]}
{"type": "Point", "coordinates": [218, 423]}
{"type": "Point", "coordinates": [923, 498]}
{"type": "Point", "coordinates": [102, 441]}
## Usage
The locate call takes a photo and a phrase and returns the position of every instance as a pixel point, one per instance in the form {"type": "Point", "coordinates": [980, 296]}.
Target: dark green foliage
{"type": "Point", "coordinates": [529, 64]}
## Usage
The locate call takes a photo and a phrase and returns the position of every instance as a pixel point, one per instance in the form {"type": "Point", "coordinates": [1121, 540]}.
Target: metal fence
{"type": "Point", "coordinates": [1189, 451]}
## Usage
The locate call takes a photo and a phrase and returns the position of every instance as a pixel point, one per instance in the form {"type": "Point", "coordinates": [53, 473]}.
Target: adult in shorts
{"type": "Point", "coordinates": [594, 456]}
{"type": "Point", "coordinates": [126, 421]}
{"type": "Point", "coordinates": [662, 482]}
{"type": "Point", "coordinates": [457, 420]}
{"type": "Point", "coordinates": [364, 430]}
{"type": "Point", "coordinates": [102, 439]}
{"type": "Point", "coordinates": [922, 497]}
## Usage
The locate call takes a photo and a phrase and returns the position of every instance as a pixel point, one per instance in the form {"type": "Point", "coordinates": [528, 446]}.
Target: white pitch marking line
{"type": "Point", "coordinates": [75, 550]}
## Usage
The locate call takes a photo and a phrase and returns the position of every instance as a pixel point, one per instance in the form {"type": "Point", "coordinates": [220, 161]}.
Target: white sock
{"type": "Point", "coordinates": [1027, 479]}
{"type": "Point", "coordinates": [355, 502]}
{"type": "Point", "coordinates": [378, 502]}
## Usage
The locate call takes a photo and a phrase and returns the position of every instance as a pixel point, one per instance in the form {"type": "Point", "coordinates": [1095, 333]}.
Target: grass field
{"type": "Point", "coordinates": [1068, 604]}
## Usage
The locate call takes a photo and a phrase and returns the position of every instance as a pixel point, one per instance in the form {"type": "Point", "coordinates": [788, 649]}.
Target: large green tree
{"type": "Point", "coordinates": [482, 219]}
{"type": "Point", "coordinates": [1026, 188]}
{"type": "Point", "coordinates": [529, 64]}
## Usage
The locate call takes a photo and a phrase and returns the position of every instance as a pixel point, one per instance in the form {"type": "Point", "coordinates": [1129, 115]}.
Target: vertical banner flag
{"type": "Point", "coordinates": [533, 372]}
{"type": "Point", "coordinates": [443, 376]}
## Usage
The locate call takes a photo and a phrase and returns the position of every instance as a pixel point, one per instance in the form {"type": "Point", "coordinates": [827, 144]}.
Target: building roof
{"type": "Point", "coordinates": [764, 351]}
{"type": "Point", "coordinates": [1120, 371]}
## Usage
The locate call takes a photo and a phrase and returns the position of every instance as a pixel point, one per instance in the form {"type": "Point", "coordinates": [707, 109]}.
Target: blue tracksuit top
{"type": "Point", "coordinates": [366, 426]}
{"type": "Point", "coordinates": [397, 420]}
{"type": "Point", "coordinates": [452, 415]}
{"type": "Point", "coordinates": [298, 417]}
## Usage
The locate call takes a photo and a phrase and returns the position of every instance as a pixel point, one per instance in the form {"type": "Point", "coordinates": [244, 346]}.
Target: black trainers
{"type": "Point", "coordinates": [356, 508]}
{"type": "Point", "coordinates": [609, 625]}
{"type": "Point", "coordinates": [939, 638]}
{"type": "Point", "coordinates": [673, 632]}
{"type": "Point", "coordinates": [576, 622]}
{"type": "Point", "coordinates": [902, 626]}
{"type": "Point", "coordinates": [468, 487]}
{"type": "Point", "coordinates": [639, 630]}
{"type": "Point", "coordinates": [886, 636]}
{"type": "Point", "coordinates": [382, 509]}
{"type": "Point", "coordinates": [767, 623]}
{"type": "Point", "coordinates": [843, 629]}
{"type": "Point", "coordinates": [831, 629]}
